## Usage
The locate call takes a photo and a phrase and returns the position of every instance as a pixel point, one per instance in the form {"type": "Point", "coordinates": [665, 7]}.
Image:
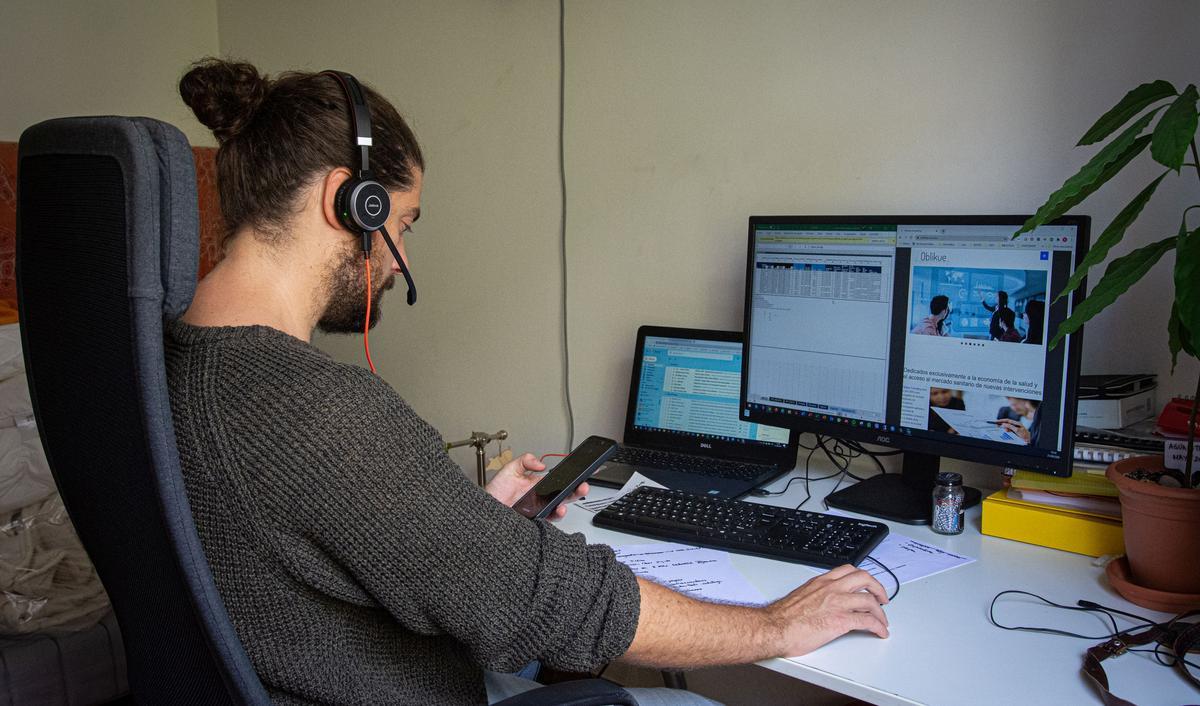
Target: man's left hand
{"type": "Point", "coordinates": [517, 476]}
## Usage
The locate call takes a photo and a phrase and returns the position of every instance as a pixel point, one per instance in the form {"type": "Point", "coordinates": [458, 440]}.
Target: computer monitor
{"type": "Point", "coordinates": [928, 334]}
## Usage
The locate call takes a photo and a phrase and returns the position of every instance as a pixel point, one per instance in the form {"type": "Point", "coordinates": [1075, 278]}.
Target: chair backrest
{"type": "Point", "coordinates": [106, 249]}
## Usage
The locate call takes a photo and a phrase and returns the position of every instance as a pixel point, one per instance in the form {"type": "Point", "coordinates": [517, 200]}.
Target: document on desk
{"type": "Point", "coordinates": [706, 574]}
{"type": "Point", "coordinates": [910, 559]}
{"type": "Point", "coordinates": [635, 481]}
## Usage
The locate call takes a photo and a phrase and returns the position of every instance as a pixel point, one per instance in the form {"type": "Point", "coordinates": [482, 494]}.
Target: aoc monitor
{"type": "Point", "coordinates": [929, 334]}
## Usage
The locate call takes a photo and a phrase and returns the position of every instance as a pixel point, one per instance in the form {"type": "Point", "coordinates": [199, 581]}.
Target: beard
{"type": "Point", "coordinates": [347, 307]}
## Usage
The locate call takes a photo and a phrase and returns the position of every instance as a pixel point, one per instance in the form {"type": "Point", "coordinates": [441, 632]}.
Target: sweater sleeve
{"type": "Point", "coordinates": [380, 498]}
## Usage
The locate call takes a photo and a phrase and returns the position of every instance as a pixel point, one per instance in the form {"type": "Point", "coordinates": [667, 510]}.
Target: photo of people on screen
{"type": "Point", "coordinates": [1021, 417]}
{"type": "Point", "coordinates": [935, 324]}
{"type": "Point", "coordinates": [984, 415]}
{"type": "Point", "coordinates": [1001, 305]}
{"type": "Point", "coordinates": [986, 304]}
{"type": "Point", "coordinates": [943, 398]}
{"type": "Point", "coordinates": [1034, 318]}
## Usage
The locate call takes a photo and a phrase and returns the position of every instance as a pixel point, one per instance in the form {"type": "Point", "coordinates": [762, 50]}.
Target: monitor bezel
{"type": "Point", "coordinates": [964, 449]}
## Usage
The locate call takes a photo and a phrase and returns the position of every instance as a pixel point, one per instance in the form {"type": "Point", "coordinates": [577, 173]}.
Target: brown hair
{"type": "Point", "coordinates": [275, 136]}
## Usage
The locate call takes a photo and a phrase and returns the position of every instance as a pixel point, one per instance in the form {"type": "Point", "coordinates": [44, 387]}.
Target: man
{"type": "Point", "coordinates": [935, 323]}
{"type": "Point", "coordinates": [994, 330]}
{"type": "Point", "coordinates": [1008, 326]}
{"type": "Point", "coordinates": [357, 562]}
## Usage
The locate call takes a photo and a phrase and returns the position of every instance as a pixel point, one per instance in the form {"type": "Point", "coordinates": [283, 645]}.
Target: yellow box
{"type": "Point", "coordinates": [1057, 528]}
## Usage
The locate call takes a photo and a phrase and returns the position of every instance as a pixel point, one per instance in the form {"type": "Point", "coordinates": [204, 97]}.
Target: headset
{"type": "Point", "coordinates": [362, 204]}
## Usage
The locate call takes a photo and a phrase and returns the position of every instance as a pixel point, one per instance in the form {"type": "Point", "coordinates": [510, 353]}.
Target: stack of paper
{"type": "Point", "coordinates": [1081, 491]}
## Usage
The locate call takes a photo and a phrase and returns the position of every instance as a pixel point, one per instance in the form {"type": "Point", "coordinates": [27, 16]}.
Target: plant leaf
{"type": "Point", "coordinates": [1178, 338]}
{"type": "Point", "coordinates": [1176, 130]}
{"type": "Point", "coordinates": [1091, 176]}
{"type": "Point", "coordinates": [1187, 281]}
{"type": "Point", "coordinates": [1133, 103]}
{"type": "Point", "coordinates": [1111, 236]}
{"type": "Point", "coordinates": [1118, 277]}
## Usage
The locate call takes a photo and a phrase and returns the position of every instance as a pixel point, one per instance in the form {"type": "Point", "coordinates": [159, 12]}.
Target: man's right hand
{"type": "Point", "coordinates": [675, 630]}
{"type": "Point", "coordinates": [828, 606]}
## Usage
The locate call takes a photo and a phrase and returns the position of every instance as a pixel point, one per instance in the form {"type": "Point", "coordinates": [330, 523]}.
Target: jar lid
{"type": "Point", "coordinates": [948, 478]}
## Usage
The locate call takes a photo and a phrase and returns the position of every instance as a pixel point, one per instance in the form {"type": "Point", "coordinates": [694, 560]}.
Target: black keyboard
{"type": "Point", "coordinates": [747, 528]}
{"type": "Point", "coordinates": [704, 465]}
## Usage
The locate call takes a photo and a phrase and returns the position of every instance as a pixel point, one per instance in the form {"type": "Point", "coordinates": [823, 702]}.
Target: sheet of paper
{"type": "Point", "coordinates": [635, 481]}
{"type": "Point", "coordinates": [910, 559]}
{"type": "Point", "coordinates": [707, 574]}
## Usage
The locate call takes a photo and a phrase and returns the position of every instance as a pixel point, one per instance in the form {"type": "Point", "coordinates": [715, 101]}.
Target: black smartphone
{"type": "Point", "coordinates": [564, 478]}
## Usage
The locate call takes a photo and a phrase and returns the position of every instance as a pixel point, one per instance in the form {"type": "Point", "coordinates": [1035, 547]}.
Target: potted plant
{"type": "Point", "coordinates": [1160, 507]}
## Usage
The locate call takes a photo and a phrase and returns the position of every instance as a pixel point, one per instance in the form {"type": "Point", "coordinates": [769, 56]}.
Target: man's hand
{"type": "Point", "coordinates": [517, 476]}
{"type": "Point", "coordinates": [828, 606]}
{"type": "Point", "coordinates": [675, 630]}
{"type": "Point", "coordinates": [1014, 427]}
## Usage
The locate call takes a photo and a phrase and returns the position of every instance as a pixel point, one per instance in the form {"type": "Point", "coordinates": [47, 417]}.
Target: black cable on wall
{"type": "Point", "coordinates": [562, 175]}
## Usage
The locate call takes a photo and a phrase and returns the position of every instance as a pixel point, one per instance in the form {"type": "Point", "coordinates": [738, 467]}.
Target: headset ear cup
{"type": "Point", "coordinates": [342, 206]}
{"type": "Point", "coordinates": [369, 205]}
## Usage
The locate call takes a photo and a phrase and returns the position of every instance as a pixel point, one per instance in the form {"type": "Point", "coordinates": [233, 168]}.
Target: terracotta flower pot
{"type": "Point", "coordinates": [1162, 528]}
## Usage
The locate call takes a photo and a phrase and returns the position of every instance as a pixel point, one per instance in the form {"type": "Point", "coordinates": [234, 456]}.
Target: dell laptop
{"type": "Point", "coordinates": [682, 427]}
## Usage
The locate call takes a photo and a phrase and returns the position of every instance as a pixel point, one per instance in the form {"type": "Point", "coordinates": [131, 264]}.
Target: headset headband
{"type": "Point", "coordinates": [360, 117]}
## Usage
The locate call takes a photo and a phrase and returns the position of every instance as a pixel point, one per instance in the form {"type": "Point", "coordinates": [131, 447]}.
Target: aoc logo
{"type": "Point", "coordinates": [883, 439]}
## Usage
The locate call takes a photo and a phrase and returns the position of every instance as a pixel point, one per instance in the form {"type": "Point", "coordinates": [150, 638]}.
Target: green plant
{"type": "Point", "coordinates": [1169, 141]}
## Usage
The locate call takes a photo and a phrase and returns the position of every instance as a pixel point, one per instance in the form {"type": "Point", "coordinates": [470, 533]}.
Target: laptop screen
{"type": "Point", "coordinates": [691, 387]}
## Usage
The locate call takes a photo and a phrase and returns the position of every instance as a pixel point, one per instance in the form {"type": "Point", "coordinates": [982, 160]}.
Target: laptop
{"type": "Point", "coordinates": [682, 427]}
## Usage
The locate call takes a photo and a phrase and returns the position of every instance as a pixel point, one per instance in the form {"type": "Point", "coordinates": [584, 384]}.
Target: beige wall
{"type": "Point", "coordinates": [478, 82]}
{"type": "Point", "coordinates": [100, 57]}
{"type": "Point", "coordinates": [686, 117]}
{"type": "Point", "coordinates": [683, 118]}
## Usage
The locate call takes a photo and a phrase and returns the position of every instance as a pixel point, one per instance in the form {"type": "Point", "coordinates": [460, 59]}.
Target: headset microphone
{"type": "Point", "coordinates": [361, 203]}
{"type": "Point", "coordinates": [412, 288]}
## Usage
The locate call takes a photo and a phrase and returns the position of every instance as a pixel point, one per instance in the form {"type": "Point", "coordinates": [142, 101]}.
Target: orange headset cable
{"type": "Point", "coordinates": [367, 322]}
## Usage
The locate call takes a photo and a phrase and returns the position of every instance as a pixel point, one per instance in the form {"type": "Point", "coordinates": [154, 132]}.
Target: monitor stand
{"type": "Point", "coordinates": [901, 497]}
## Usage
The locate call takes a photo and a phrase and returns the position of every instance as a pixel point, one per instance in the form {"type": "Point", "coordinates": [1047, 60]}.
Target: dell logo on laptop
{"type": "Point", "coordinates": [705, 446]}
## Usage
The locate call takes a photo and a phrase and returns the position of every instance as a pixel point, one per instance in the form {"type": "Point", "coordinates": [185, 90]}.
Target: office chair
{"type": "Point", "coordinates": [107, 248]}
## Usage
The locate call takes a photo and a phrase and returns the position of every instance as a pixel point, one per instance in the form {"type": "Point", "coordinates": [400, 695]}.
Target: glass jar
{"type": "Point", "coordinates": [948, 494]}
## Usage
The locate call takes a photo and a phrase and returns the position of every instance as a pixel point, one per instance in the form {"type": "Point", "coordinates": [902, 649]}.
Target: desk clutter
{"type": "Point", "coordinates": [758, 530]}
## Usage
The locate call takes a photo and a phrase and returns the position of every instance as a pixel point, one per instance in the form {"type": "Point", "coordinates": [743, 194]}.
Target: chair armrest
{"type": "Point", "coordinates": [582, 692]}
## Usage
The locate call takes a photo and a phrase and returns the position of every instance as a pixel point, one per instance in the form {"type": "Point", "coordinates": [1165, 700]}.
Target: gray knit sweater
{"type": "Point", "coordinates": [357, 562]}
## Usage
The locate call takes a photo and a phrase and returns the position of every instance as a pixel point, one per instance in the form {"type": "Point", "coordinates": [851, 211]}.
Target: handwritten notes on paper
{"type": "Point", "coordinates": [706, 574]}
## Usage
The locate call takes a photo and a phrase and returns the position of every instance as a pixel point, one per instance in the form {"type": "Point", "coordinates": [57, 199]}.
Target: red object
{"type": "Point", "coordinates": [1175, 415]}
{"type": "Point", "coordinates": [212, 225]}
{"type": "Point", "coordinates": [367, 323]}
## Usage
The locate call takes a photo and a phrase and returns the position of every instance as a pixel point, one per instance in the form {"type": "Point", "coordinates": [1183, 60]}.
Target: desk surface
{"type": "Point", "coordinates": [942, 649]}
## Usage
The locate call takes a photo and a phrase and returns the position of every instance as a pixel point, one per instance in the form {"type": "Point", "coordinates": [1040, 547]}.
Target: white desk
{"type": "Point", "coordinates": [942, 649]}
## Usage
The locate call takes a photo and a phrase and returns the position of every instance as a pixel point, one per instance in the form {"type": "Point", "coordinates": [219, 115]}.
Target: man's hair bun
{"type": "Point", "coordinates": [224, 95]}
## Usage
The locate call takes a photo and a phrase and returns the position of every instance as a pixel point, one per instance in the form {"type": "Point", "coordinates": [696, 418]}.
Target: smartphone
{"type": "Point", "coordinates": [564, 478]}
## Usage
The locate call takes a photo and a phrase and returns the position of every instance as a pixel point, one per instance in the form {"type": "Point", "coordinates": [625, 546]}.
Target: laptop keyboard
{"type": "Point", "coordinates": [650, 458]}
